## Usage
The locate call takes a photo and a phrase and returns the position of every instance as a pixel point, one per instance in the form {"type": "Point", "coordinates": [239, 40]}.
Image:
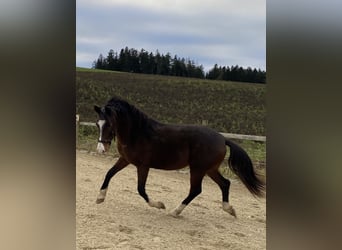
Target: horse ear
{"type": "Point", "coordinates": [97, 109]}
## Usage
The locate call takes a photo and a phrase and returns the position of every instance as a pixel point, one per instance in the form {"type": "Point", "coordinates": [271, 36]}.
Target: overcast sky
{"type": "Point", "coordinates": [226, 32]}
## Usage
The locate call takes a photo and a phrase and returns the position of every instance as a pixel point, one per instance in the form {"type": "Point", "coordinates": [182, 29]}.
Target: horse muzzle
{"type": "Point", "coordinates": [103, 146]}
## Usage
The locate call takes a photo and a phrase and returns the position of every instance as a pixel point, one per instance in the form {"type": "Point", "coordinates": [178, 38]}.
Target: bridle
{"type": "Point", "coordinates": [105, 141]}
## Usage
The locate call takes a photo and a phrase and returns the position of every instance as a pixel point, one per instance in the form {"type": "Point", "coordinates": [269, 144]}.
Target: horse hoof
{"type": "Point", "coordinates": [100, 200]}
{"type": "Point", "coordinates": [177, 211]}
{"type": "Point", "coordinates": [174, 214]}
{"type": "Point", "coordinates": [232, 212]}
{"type": "Point", "coordinates": [161, 205]}
{"type": "Point", "coordinates": [101, 197]}
{"type": "Point", "coordinates": [156, 204]}
{"type": "Point", "coordinates": [229, 209]}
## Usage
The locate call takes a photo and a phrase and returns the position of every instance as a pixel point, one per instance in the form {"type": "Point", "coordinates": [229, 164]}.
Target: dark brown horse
{"type": "Point", "coordinates": [147, 143]}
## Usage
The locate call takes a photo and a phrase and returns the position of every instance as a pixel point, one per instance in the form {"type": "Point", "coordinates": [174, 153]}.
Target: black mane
{"type": "Point", "coordinates": [140, 123]}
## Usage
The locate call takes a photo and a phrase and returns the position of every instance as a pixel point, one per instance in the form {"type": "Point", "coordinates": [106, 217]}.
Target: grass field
{"type": "Point", "coordinates": [224, 106]}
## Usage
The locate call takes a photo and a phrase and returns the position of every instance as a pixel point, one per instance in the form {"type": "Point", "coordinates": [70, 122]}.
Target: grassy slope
{"type": "Point", "coordinates": [226, 106]}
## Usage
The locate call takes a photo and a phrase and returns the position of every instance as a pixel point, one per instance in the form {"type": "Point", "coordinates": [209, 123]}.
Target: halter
{"type": "Point", "coordinates": [105, 141]}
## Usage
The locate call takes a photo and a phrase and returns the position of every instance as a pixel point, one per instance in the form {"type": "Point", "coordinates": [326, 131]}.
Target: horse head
{"type": "Point", "coordinates": [106, 127]}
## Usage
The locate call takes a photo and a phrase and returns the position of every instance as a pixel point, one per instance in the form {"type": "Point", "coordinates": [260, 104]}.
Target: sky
{"type": "Point", "coordinates": [223, 32]}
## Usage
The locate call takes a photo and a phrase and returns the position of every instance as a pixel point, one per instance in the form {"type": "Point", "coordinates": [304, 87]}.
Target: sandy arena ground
{"type": "Point", "coordinates": [125, 221]}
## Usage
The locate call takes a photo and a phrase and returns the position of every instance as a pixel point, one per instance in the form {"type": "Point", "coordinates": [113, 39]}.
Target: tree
{"type": "Point", "coordinates": [100, 63]}
{"type": "Point", "coordinates": [144, 62]}
{"type": "Point", "coordinates": [214, 73]}
{"type": "Point", "coordinates": [132, 60]}
{"type": "Point", "coordinates": [110, 62]}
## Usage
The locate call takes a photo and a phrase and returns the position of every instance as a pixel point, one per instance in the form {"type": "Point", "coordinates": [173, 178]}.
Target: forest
{"type": "Point", "coordinates": [134, 61]}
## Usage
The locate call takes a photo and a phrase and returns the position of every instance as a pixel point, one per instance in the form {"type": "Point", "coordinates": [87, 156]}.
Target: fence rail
{"type": "Point", "coordinates": [88, 124]}
{"type": "Point", "coordinates": [245, 137]}
{"type": "Point", "coordinates": [227, 135]}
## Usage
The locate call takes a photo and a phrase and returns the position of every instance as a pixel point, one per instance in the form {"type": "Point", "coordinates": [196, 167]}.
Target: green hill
{"type": "Point", "coordinates": [224, 106]}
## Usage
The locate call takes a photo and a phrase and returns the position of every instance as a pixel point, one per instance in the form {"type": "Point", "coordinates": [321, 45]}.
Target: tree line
{"type": "Point", "coordinates": [236, 73]}
{"type": "Point", "coordinates": [132, 60]}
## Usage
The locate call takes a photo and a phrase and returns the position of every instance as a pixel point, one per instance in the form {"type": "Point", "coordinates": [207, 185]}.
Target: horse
{"type": "Point", "coordinates": [148, 143]}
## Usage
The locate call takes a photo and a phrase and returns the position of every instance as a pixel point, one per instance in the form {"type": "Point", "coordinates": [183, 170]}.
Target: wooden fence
{"type": "Point", "coordinates": [227, 135]}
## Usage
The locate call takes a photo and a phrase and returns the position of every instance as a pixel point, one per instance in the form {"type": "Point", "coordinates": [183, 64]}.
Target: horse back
{"type": "Point", "coordinates": [176, 146]}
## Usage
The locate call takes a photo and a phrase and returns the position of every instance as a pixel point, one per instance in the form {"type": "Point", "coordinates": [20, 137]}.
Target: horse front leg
{"type": "Point", "coordinates": [142, 177]}
{"type": "Point", "coordinates": [119, 165]}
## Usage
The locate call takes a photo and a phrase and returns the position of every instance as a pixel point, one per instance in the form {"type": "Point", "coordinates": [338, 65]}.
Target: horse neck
{"type": "Point", "coordinates": [130, 130]}
{"type": "Point", "coordinates": [123, 133]}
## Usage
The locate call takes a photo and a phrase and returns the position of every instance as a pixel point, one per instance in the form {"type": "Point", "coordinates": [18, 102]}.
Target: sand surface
{"type": "Point", "coordinates": [125, 221]}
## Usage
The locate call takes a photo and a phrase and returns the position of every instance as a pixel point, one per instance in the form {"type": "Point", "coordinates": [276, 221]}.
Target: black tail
{"type": "Point", "coordinates": [240, 163]}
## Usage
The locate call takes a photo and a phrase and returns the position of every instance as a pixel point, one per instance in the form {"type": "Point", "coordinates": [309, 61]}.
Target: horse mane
{"type": "Point", "coordinates": [140, 123]}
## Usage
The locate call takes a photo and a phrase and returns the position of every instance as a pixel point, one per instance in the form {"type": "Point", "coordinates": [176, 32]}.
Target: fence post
{"type": "Point", "coordinates": [77, 126]}
{"type": "Point", "coordinates": [205, 122]}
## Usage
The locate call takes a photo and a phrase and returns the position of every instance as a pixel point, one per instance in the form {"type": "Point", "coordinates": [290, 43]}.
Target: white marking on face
{"type": "Point", "coordinates": [100, 146]}
{"type": "Point", "coordinates": [101, 123]}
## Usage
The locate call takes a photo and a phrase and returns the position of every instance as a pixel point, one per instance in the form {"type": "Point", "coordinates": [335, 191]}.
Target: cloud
{"type": "Point", "coordinates": [209, 32]}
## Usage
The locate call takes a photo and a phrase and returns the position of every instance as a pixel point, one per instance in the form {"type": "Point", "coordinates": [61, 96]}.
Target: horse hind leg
{"type": "Point", "coordinates": [224, 185]}
{"type": "Point", "coordinates": [195, 190]}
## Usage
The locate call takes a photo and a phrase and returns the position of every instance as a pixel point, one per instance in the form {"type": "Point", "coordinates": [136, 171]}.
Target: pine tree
{"type": "Point", "coordinates": [131, 60]}
{"type": "Point", "coordinates": [100, 63]}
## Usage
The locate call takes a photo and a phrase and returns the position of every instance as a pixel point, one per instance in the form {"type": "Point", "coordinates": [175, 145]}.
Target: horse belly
{"type": "Point", "coordinates": [170, 160]}
{"type": "Point", "coordinates": [169, 166]}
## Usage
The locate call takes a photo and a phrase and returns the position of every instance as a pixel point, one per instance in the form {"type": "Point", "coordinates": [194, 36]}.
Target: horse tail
{"type": "Point", "coordinates": [240, 163]}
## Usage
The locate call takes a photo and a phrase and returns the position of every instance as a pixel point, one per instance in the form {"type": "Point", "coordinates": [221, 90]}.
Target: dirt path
{"type": "Point", "coordinates": [125, 221]}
